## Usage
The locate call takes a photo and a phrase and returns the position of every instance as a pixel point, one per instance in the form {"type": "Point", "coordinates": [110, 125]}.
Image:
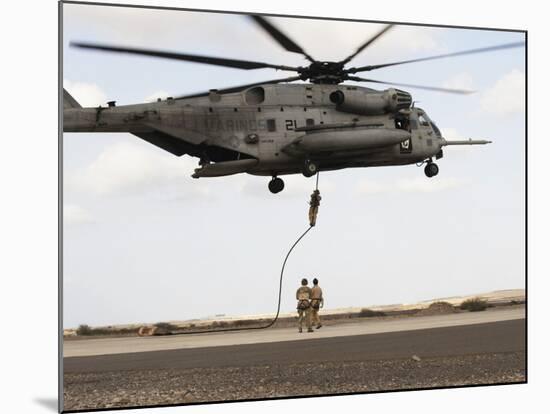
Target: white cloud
{"type": "Point", "coordinates": [417, 184]}
{"type": "Point", "coordinates": [127, 24]}
{"type": "Point", "coordinates": [86, 94]}
{"type": "Point", "coordinates": [323, 39]}
{"type": "Point", "coordinates": [183, 31]}
{"type": "Point", "coordinates": [129, 168]}
{"type": "Point", "coordinates": [506, 96]}
{"type": "Point", "coordinates": [154, 96]}
{"type": "Point", "coordinates": [329, 39]}
{"type": "Point", "coordinates": [133, 168]}
{"type": "Point", "coordinates": [461, 80]}
{"type": "Point", "coordinates": [372, 187]}
{"type": "Point", "coordinates": [452, 134]}
{"type": "Point", "coordinates": [74, 214]}
{"type": "Point", "coordinates": [427, 185]}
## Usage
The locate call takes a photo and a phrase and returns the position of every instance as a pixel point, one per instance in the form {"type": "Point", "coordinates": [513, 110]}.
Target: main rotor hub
{"type": "Point", "coordinates": [324, 72]}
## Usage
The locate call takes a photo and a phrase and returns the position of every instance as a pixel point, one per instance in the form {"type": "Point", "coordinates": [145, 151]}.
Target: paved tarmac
{"type": "Point", "coordinates": [480, 338]}
{"type": "Point", "coordinates": [335, 335]}
{"type": "Point", "coordinates": [453, 350]}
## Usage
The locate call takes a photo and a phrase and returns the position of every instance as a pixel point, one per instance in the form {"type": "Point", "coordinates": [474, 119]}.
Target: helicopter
{"type": "Point", "coordinates": [276, 127]}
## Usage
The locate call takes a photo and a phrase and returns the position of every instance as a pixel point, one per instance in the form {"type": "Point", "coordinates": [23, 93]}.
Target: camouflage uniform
{"type": "Point", "coordinates": [316, 303]}
{"type": "Point", "coordinates": [302, 296]}
{"type": "Point", "coordinates": [314, 207]}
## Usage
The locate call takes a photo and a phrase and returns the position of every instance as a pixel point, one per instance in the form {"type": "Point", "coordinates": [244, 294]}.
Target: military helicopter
{"type": "Point", "coordinates": [274, 128]}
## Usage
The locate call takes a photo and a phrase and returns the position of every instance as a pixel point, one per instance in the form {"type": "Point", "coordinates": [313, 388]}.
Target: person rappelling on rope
{"type": "Point", "coordinates": [314, 207]}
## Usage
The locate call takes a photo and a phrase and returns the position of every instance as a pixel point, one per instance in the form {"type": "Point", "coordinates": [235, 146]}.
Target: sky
{"type": "Point", "coordinates": [144, 242]}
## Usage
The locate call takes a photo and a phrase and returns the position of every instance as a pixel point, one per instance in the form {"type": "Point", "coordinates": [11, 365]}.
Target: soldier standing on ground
{"type": "Point", "coordinates": [303, 294]}
{"type": "Point", "coordinates": [317, 302]}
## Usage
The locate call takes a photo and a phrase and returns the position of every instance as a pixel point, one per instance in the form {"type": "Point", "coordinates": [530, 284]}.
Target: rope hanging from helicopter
{"type": "Point", "coordinates": [313, 210]}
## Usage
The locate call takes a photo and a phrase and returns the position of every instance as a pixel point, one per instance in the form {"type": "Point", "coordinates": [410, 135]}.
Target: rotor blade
{"type": "Point", "coordinates": [464, 52]}
{"type": "Point", "coordinates": [280, 37]}
{"type": "Point", "coordinates": [367, 43]}
{"type": "Point", "coordinates": [210, 60]}
{"type": "Point", "coordinates": [240, 87]}
{"type": "Point", "coordinates": [429, 88]}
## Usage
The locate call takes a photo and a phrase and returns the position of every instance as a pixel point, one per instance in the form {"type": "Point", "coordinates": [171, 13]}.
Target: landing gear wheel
{"type": "Point", "coordinates": [276, 185]}
{"type": "Point", "coordinates": [431, 169]}
{"type": "Point", "coordinates": [309, 169]}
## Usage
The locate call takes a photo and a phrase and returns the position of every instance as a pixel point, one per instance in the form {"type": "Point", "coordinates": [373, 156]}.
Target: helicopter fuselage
{"type": "Point", "coordinates": [273, 129]}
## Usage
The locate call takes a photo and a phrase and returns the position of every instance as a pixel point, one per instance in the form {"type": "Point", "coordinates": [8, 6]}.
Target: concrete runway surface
{"type": "Point", "coordinates": [479, 338]}
{"type": "Point", "coordinates": [365, 356]}
{"type": "Point", "coordinates": [107, 346]}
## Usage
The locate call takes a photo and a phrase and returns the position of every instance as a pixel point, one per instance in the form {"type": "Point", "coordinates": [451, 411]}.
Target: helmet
{"type": "Point", "coordinates": [304, 281]}
{"type": "Point", "coordinates": [315, 281]}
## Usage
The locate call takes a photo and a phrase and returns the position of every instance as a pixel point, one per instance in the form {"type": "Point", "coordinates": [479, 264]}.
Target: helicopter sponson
{"type": "Point", "coordinates": [345, 137]}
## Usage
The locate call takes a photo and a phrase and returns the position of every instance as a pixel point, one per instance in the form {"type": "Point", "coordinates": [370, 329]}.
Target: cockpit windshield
{"type": "Point", "coordinates": [422, 118]}
{"type": "Point", "coordinates": [436, 129]}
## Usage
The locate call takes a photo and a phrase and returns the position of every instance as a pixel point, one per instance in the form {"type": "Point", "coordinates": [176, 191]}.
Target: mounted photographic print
{"type": "Point", "coordinates": [264, 206]}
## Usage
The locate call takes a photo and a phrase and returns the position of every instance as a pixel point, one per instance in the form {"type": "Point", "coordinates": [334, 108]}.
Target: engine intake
{"type": "Point", "coordinates": [363, 102]}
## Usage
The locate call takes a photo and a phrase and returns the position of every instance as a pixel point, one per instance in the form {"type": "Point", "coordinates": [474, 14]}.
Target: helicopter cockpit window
{"type": "Point", "coordinates": [271, 126]}
{"type": "Point", "coordinates": [423, 121]}
{"type": "Point", "coordinates": [436, 129]}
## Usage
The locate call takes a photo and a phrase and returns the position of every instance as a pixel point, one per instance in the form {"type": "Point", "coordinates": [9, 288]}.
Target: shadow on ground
{"type": "Point", "coordinates": [49, 403]}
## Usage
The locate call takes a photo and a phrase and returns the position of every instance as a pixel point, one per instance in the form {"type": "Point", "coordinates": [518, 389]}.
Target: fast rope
{"type": "Point", "coordinates": [314, 207]}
